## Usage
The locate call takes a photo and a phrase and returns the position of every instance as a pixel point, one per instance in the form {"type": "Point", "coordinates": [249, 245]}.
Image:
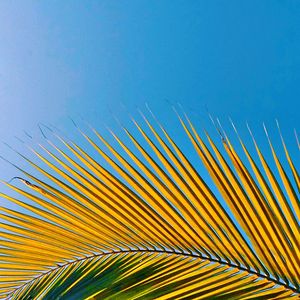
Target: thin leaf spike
{"type": "Point", "coordinates": [140, 219]}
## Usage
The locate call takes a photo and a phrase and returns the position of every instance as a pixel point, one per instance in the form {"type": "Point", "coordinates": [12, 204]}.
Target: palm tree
{"type": "Point", "coordinates": [148, 225]}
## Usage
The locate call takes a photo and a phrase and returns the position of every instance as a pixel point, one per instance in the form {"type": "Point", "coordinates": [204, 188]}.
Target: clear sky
{"type": "Point", "coordinates": [85, 58]}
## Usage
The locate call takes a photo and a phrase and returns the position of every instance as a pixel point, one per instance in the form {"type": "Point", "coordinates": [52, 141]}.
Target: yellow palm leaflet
{"type": "Point", "coordinates": [228, 185]}
{"type": "Point", "coordinates": [261, 219]}
{"type": "Point", "coordinates": [179, 198]}
{"type": "Point", "coordinates": [290, 161]}
{"type": "Point", "coordinates": [48, 230]}
{"type": "Point", "coordinates": [218, 215]}
{"type": "Point", "coordinates": [193, 204]}
{"type": "Point", "coordinates": [279, 195]}
{"type": "Point", "coordinates": [287, 184]}
{"type": "Point", "coordinates": [135, 205]}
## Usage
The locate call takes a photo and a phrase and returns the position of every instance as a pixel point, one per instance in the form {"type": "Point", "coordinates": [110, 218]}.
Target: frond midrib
{"type": "Point", "coordinates": [184, 254]}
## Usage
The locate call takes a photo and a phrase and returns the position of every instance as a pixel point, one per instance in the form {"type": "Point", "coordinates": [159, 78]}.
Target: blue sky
{"type": "Point", "coordinates": [86, 58]}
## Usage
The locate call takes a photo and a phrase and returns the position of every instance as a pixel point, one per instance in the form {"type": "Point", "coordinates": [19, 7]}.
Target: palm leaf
{"type": "Point", "coordinates": [149, 226]}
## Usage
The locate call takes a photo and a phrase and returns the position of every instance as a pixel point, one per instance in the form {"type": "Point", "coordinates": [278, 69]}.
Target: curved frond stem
{"type": "Point", "coordinates": [197, 256]}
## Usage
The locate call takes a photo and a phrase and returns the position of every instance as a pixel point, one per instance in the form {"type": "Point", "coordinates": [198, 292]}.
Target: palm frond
{"type": "Point", "coordinates": [149, 226]}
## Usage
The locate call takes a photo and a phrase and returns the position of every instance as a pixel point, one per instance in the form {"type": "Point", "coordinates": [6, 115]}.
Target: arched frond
{"type": "Point", "coordinates": [149, 226]}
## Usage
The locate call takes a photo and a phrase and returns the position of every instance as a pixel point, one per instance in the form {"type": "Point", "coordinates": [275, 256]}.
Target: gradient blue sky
{"type": "Point", "coordinates": [84, 58]}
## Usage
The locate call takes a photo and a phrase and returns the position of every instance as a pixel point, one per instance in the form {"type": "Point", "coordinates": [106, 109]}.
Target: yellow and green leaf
{"type": "Point", "coordinates": [149, 226]}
